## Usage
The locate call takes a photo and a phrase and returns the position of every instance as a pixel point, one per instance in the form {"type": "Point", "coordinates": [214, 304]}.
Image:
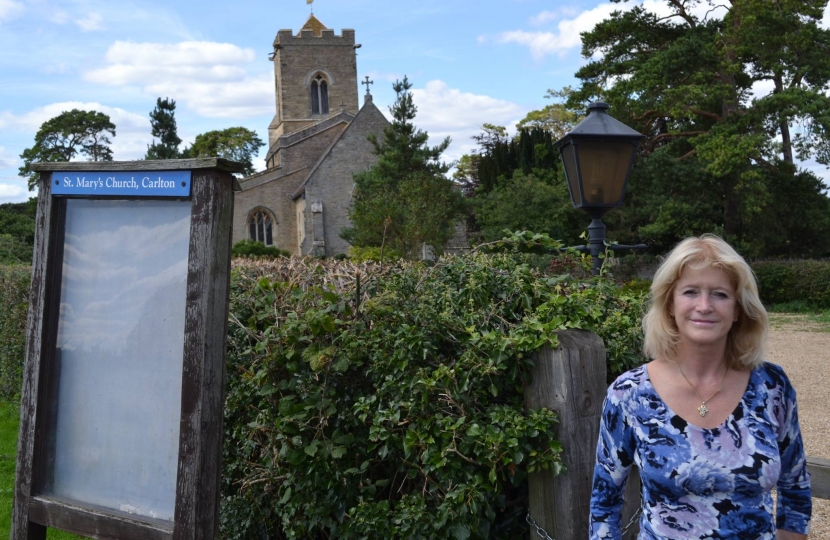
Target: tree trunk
{"type": "Point", "coordinates": [786, 142]}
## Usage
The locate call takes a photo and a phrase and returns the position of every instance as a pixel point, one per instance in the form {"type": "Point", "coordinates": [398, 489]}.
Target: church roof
{"type": "Point", "coordinates": [368, 105]}
{"type": "Point", "coordinates": [314, 24]}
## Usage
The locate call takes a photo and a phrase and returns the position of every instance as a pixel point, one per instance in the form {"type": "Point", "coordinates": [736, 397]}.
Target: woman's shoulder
{"type": "Point", "coordinates": [773, 374]}
{"type": "Point", "coordinates": [630, 382]}
{"type": "Point", "coordinates": [774, 377]}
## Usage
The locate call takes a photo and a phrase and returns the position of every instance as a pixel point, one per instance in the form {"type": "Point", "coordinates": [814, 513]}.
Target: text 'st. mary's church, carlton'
{"type": "Point", "coordinates": [317, 140]}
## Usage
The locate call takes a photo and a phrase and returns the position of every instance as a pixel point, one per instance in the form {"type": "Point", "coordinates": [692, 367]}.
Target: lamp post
{"type": "Point", "coordinates": [598, 155]}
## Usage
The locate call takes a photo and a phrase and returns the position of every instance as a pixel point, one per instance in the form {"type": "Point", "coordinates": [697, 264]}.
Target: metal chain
{"type": "Point", "coordinates": [633, 520]}
{"type": "Point", "coordinates": [543, 534]}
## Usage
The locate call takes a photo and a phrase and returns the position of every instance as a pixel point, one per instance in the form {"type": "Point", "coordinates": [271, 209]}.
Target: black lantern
{"type": "Point", "coordinates": [598, 155]}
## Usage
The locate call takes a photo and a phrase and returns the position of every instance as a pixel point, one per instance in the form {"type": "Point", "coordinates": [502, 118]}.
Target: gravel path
{"type": "Point", "coordinates": [804, 352]}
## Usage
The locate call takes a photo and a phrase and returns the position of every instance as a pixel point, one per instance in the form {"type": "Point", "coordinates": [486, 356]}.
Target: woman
{"type": "Point", "coordinates": [710, 425]}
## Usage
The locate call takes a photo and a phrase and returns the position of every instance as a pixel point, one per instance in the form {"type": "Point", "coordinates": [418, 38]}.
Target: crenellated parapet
{"type": "Point", "coordinates": [312, 37]}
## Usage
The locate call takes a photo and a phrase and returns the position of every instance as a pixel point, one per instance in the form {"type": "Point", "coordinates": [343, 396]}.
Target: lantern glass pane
{"type": "Point", "coordinates": [119, 356]}
{"type": "Point", "coordinates": [569, 160]}
{"type": "Point", "coordinates": [604, 166]}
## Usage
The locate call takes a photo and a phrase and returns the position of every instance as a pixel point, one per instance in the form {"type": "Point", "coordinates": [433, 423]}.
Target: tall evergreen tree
{"type": "Point", "coordinates": [405, 200]}
{"type": "Point", "coordinates": [65, 136]}
{"type": "Point", "coordinates": [163, 122]}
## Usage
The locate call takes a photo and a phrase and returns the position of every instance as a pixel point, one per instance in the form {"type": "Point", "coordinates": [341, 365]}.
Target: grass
{"type": "Point", "coordinates": [810, 319]}
{"type": "Point", "coordinates": [8, 449]}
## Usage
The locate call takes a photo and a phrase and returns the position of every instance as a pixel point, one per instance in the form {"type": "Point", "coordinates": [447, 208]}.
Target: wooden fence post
{"type": "Point", "coordinates": [571, 381]}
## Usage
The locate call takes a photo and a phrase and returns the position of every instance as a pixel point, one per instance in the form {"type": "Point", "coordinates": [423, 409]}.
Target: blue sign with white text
{"type": "Point", "coordinates": [132, 184]}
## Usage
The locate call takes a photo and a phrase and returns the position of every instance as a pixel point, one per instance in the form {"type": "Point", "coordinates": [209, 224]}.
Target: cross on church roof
{"type": "Point", "coordinates": [367, 82]}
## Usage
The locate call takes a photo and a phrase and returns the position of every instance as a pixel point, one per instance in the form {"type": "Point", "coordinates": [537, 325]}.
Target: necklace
{"type": "Point", "coordinates": [702, 409]}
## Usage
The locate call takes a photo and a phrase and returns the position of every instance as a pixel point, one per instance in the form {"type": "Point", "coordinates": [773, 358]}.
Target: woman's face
{"type": "Point", "coordinates": [704, 306]}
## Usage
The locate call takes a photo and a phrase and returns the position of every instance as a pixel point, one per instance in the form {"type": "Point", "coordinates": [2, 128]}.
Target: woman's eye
{"type": "Point", "coordinates": [721, 295]}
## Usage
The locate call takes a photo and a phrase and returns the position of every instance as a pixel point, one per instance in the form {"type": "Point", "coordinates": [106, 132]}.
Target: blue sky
{"type": "Point", "coordinates": [471, 62]}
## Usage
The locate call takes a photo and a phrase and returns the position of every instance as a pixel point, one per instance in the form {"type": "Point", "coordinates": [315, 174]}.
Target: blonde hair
{"type": "Point", "coordinates": [746, 341]}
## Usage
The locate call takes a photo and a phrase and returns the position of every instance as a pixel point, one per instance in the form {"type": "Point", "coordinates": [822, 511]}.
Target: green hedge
{"type": "Point", "coordinates": [369, 401]}
{"type": "Point", "coordinates": [254, 249]}
{"type": "Point", "coordinates": [794, 281]}
{"type": "Point", "coordinates": [14, 297]}
{"type": "Point", "coordinates": [384, 401]}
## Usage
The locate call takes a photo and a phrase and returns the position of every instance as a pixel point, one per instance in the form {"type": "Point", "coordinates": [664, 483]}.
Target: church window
{"type": "Point", "coordinates": [261, 226]}
{"type": "Point", "coordinates": [319, 95]}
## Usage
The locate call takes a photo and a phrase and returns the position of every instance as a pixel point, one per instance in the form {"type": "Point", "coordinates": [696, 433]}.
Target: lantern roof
{"type": "Point", "coordinates": [599, 123]}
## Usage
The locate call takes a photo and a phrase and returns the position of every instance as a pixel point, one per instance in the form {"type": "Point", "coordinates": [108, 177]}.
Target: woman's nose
{"type": "Point", "coordinates": [703, 303]}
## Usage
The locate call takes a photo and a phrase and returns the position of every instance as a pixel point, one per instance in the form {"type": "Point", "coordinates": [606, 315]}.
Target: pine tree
{"type": "Point", "coordinates": [163, 121]}
{"type": "Point", "coordinates": [65, 136]}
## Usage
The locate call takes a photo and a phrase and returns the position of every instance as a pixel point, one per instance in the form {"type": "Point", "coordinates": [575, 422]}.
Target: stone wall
{"type": "Point", "coordinates": [330, 185]}
{"type": "Point", "coordinates": [275, 196]}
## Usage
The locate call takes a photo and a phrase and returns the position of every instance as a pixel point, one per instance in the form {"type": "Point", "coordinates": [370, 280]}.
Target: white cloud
{"type": "Point", "coordinates": [543, 17]}
{"type": "Point", "coordinates": [207, 77]}
{"type": "Point", "coordinates": [91, 23]}
{"type": "Point", "coordinates": [566, 37]}
{"type": "Point", "coordinates": [12, 188]}
{"type": "Point", "coordinates": [547, 16]}
{"type": "Point", "coordinates": [9, 9]}
{"type": "Point", "coordinates": [58, 16]}
{"type": "Point", "coordinates": [8, 191]}
{"type": "Point", "coordinates": [445, 111]}
{"type": "Point", "coordinates": [6, 161]}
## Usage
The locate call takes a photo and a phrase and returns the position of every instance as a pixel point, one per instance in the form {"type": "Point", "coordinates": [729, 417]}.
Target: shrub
{"type": "Point", "coordinates": [361, 254]}
{"type": "Point", "coordinates": [254, 249]}
{"type": "Point", "coordinates": [369, 401]}
{"type": "Point", "coordinates": [14, 297]}
{"type": "Point", "coordinates": [783, 282]}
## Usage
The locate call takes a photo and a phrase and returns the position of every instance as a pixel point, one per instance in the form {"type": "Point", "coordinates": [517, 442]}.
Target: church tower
{"type": "Point", "coordinates": [315, 74]}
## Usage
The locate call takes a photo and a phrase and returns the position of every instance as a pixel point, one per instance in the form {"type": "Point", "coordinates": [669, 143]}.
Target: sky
{"type": "Point", "coordinates": [470, 63]}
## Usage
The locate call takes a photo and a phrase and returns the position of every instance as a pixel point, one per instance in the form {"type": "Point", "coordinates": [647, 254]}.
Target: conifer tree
{"type": "Point", "coordinates": [163, 122]}
{"type": "Point", "coordinates": [405, 200]}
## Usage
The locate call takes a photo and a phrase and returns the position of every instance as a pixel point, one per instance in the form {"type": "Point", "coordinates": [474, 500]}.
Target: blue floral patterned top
{"type": "Point", "coordinates": [703, 483]}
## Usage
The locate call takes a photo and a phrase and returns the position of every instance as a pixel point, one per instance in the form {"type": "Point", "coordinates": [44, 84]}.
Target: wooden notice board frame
{"type": "Point", "coordinates": [205, 327]}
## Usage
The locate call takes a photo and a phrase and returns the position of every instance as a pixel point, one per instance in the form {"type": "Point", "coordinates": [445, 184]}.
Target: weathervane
{"type": "Point", "coordinates": [310, 3]}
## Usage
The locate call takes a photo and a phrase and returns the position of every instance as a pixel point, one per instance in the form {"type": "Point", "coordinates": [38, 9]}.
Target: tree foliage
{"type": "Point", "coordinates": [17, 232]}
{"type": "Point", "coordinates": [163, 122]}
{"type": "Point", "coordinates": [518, 184]}
{"type": "Point", "coordinates": [557, 118]}
{"type": "Point", "coordinates": [236, 143]}
{"type": "Point", "coordinates": [66, 136]}
{"type": "Point", "coordinates": [537, 202]}
{"type": "Point", "coordinates": [717, 100]}
{"type": "Point", "coordinates": [405, 200]}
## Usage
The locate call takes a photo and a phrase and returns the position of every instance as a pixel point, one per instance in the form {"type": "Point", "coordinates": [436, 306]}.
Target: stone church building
{"type": "Point", "coordinates": [317, 140]}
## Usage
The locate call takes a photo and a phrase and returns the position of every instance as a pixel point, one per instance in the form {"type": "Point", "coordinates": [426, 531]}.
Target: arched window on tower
{"type": "Point", "coordinates": [261, 226]}
{"type": "Point", "coordinates": [319, 95]}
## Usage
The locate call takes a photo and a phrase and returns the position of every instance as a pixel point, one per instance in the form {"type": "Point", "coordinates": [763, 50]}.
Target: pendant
{"type": "Point", "coordinates": [703, 410]}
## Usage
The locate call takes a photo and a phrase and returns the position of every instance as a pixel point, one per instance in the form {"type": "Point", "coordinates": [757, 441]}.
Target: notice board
{"type": "Point", "coordinates": [121, 410]}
